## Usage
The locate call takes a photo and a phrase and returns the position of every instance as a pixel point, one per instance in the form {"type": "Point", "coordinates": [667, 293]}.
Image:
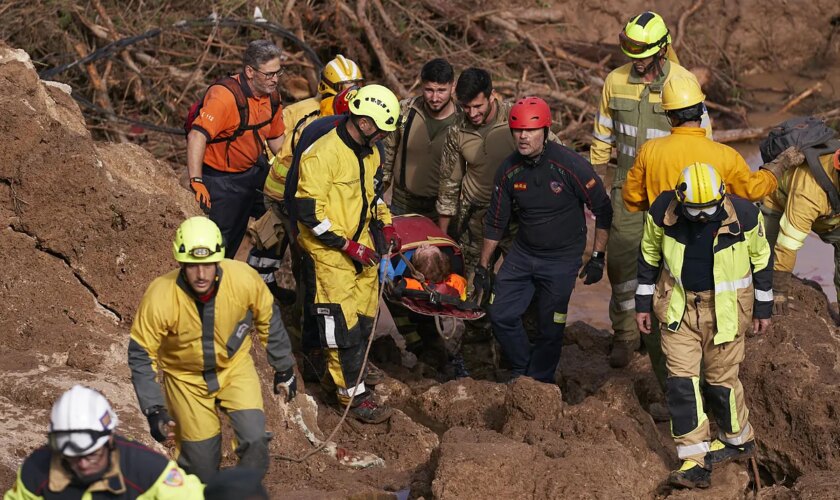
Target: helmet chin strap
{"type": "Point", "coordinates": [656, 64]}
{"type": "Point", "coordinates": [367, 138]}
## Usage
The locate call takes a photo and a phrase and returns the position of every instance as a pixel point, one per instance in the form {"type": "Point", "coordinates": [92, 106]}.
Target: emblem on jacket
{"type": "Point", "coordinates": [520, 186]}
{"type": "Point", "coordinates": [556, 187]}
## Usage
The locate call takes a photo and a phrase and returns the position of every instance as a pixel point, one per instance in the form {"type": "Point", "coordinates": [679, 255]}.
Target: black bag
{"type": "Point", "coordinates": [813, 138]}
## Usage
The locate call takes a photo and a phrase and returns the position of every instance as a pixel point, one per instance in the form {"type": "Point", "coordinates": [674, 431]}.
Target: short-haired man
{"type": "Point", "coordinates": [227, 164]}
{"type": "Point", "coordinates": [413, 151]}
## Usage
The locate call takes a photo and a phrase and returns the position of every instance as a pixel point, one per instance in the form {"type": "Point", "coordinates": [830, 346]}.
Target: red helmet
{"type": "Point", "coordinates": [341, 103]}
{"type": "Point", "coordinates": [529, 112]}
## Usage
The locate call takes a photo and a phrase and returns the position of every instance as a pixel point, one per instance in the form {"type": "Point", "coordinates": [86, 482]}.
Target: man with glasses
{"type": "Point", "coordinates": [193, 325]}
{"type": "Point", "coordinates": [631, 113]}
{"type": "Point", "coordinates": [85, 458]}
{"type": "Point", "coordinates": [226, 159]}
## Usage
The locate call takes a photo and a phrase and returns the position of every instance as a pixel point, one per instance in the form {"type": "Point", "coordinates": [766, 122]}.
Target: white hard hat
{"type": "Point", "coordinates": [82, 421]}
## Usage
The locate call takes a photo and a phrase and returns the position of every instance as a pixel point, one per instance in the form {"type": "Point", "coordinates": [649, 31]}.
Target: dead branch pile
{"type": "Point", "coordinates": [155, 80]}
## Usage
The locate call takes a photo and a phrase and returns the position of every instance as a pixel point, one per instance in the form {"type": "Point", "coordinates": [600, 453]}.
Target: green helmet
{"type": "Point", "coordinates": [377, 103]}
{"type": "Point", "coordinates": [644, 35]}
{"type": "Point", "coordinates": [198, 240]}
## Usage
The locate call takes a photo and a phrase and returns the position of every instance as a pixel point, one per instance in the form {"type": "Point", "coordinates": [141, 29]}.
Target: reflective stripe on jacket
{"type": "Point", "coordinates": [631, 113]}
{"type": "Point", "coordinates": [660, 162]}
{"type": "Point", "coordinates": [805, 208]}
{"type": "Point", "coordinates": [742, 266]}
{"type": "Point", "coordinates": [195, 342]}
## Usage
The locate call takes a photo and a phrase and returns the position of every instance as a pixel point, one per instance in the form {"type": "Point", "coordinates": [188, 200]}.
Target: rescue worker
{"type": "Point", "coordinates": [546, 185]}
{"type": "Point", "coordinates": [705, 271]}
{"type": "Point", "coordinates": [226, 164]}
{"type": "Point", "coordinates": [799, 206]}
{"type": "Point", "coordinates": [337, 206]}
{"type": "Point", "coordinates": [659, 163]}
{"type": "Point", "coordinates": [630, 113]}
{"type": "Point", "coordinates": [413, 151]}
{"type": "Point", "coordinates": [85, 459]}
{"type": "Point", "coordinates": [193, 326]}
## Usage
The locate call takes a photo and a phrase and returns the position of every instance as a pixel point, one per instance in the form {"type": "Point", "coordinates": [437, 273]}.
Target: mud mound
{"type": "Point", "coordinates": [792, 380]}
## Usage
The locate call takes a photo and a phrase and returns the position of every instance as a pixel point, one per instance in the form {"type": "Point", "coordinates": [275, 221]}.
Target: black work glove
{"type": "Point", "coordinates": [285, 381]}
{"type": "Point", "coordinates": [481, 280]}
{"type": "Point", "coordinates": [593, 270]}
{"type": "Point", "coordinates": [159, 421]}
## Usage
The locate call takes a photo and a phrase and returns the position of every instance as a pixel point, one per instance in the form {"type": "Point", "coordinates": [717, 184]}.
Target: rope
{"type": "Point", "coordinates": [115, 47]}
{"type": "Point", "coordinates": [358, 381]}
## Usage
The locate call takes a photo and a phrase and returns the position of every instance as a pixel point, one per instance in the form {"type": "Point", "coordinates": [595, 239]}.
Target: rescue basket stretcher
{"type": "Point", "coordinates": [416, 230]}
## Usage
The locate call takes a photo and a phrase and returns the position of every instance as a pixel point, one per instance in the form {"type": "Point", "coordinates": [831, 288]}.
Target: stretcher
{"type": "Point", "coordinates": [417, 230]}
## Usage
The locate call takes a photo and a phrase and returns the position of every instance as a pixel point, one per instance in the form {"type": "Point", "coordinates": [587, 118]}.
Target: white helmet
{"type": "Point", "coordinates": [81, 422]}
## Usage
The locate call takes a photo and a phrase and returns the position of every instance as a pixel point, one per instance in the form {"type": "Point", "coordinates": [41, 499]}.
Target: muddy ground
{"type": "Point", "coordinates": [87, 225]}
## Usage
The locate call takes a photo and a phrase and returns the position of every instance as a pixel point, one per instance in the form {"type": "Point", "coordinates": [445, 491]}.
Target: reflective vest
{"type": "Point", "coordinates": [296, 117]}
{"type": "Point", "coordinates": [631, 113]}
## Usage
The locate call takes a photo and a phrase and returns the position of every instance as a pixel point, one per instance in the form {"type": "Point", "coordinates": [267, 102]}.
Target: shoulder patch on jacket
{"type": "Point", "coordinates": [520, 186]}
{"type": "Point", "coordinates": [174, 478]}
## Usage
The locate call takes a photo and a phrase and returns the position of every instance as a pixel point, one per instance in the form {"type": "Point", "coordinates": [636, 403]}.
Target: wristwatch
{"type": "Point", "coordinates": [598, 255]}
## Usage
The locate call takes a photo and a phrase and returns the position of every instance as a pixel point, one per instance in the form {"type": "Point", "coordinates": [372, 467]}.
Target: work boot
{"type": "Point", "coordinates": [284, 296]}
{"type": "Point", "coordinates": [691, 475]}
{"type": "Point", "coordinates": [314, 366]}
{"type": "Point", "coordinates": [622, 353]}
{"type": "Point", "coordinates": [458, 366]}
{"type": "Point", "coordinates": [369, 412]}
{"type": "Point", "coordinates": [659, 412]}
{"type": "Point", "coordinates": [374, 375]}
{"type": "Point", "coordinates": [722, 453]}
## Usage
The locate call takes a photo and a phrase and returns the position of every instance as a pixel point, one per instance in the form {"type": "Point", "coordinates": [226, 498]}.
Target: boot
{"type": "Point", "coordinates": [691, 475]}
{"type": "Point", "coordinates": [458, 366]}
{"type": "Point", "coordinates": [374, 375]}
{"type": "Point", "coordinates": [622, 353]}
{"type": "Point", "coordinates": [659, 412]}
{"type": "Point", "coordinates": [722, 453]}
{"type": "Point", "coordinates": [314, 366]}
{"type": "Point", "coordinates": [369, 412]}
{"type": "Point", "coordinates": [284, 296]}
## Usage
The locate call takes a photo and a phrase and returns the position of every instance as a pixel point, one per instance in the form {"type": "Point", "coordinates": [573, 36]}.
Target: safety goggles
{"type": "Point", "coordinates": [697, 212]}
{"type": "Point", "coordinates": [635, 47]}
{"type": "Point", "coordinates": [76, 443]}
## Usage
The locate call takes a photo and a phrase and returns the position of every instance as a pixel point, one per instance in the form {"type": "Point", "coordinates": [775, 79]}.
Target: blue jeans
{"type": "Point", "coordinates": [522, 274]}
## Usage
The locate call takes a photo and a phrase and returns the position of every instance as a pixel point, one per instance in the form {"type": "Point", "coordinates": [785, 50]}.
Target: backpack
{"type": "Point", "coordinates": [814, 138]}
{"type": "Point", "coordinates": [236, 88]}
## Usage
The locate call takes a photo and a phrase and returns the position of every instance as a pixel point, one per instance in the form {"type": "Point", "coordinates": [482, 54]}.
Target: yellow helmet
{"type": "Point", "coordinates": [198, 240]}
{"type": "Point", "coordinates": [681, 92]}
{"type": "Point", "coordinates": [644, 35]}
{"type": "Point", "coordinates": [337, 72]}
{"type": "Point", "coordinates": [378, 103]}
{"type": "Point", "coordinates": [700, 186]}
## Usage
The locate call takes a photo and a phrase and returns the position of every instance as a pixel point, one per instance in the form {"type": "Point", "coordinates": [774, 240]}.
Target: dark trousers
{"type": "Point", "coordinates": [552, 279]}
{"type": "Point", "coordinates": [233, 199]}
{"type": "Point", "coordinates": [309, 332]}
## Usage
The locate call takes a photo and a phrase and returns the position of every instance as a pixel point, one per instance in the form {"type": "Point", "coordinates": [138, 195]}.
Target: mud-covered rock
{"type": "Point", "coordinates": [466, 403]}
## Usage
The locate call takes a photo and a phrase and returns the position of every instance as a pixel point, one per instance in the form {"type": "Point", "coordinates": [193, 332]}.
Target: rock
{"type": "Point", "coordinates": [466, 403]}
{"type": "Point", "coordinates": [531, 406]}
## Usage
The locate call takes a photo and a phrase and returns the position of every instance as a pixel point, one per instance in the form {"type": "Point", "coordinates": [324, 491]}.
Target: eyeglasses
{"type": "Point", "coordinates": [269, 76]}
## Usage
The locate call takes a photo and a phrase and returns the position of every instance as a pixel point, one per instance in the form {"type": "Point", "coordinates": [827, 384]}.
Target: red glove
{"type": "Point", "coordinates": [360, 253]}
{"type": "Point", "coordinates": [202, 196]}
{"type": "Point", "coordinates": [392, 237]}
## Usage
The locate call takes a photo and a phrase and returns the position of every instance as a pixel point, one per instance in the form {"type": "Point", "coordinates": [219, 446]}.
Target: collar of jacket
{"type": "Point", "coordinates": [729, 225]}
{"type": "Point", "coordinates": [360, 150]}
{"type": "Point", "coordinates": [182, 283]}
{"type": "Point", "coordinates": [694, 131]}
{"type": "Point", "coordinates": [112, 481]}
{"type": "Point", "coordinates": [655, 85]}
